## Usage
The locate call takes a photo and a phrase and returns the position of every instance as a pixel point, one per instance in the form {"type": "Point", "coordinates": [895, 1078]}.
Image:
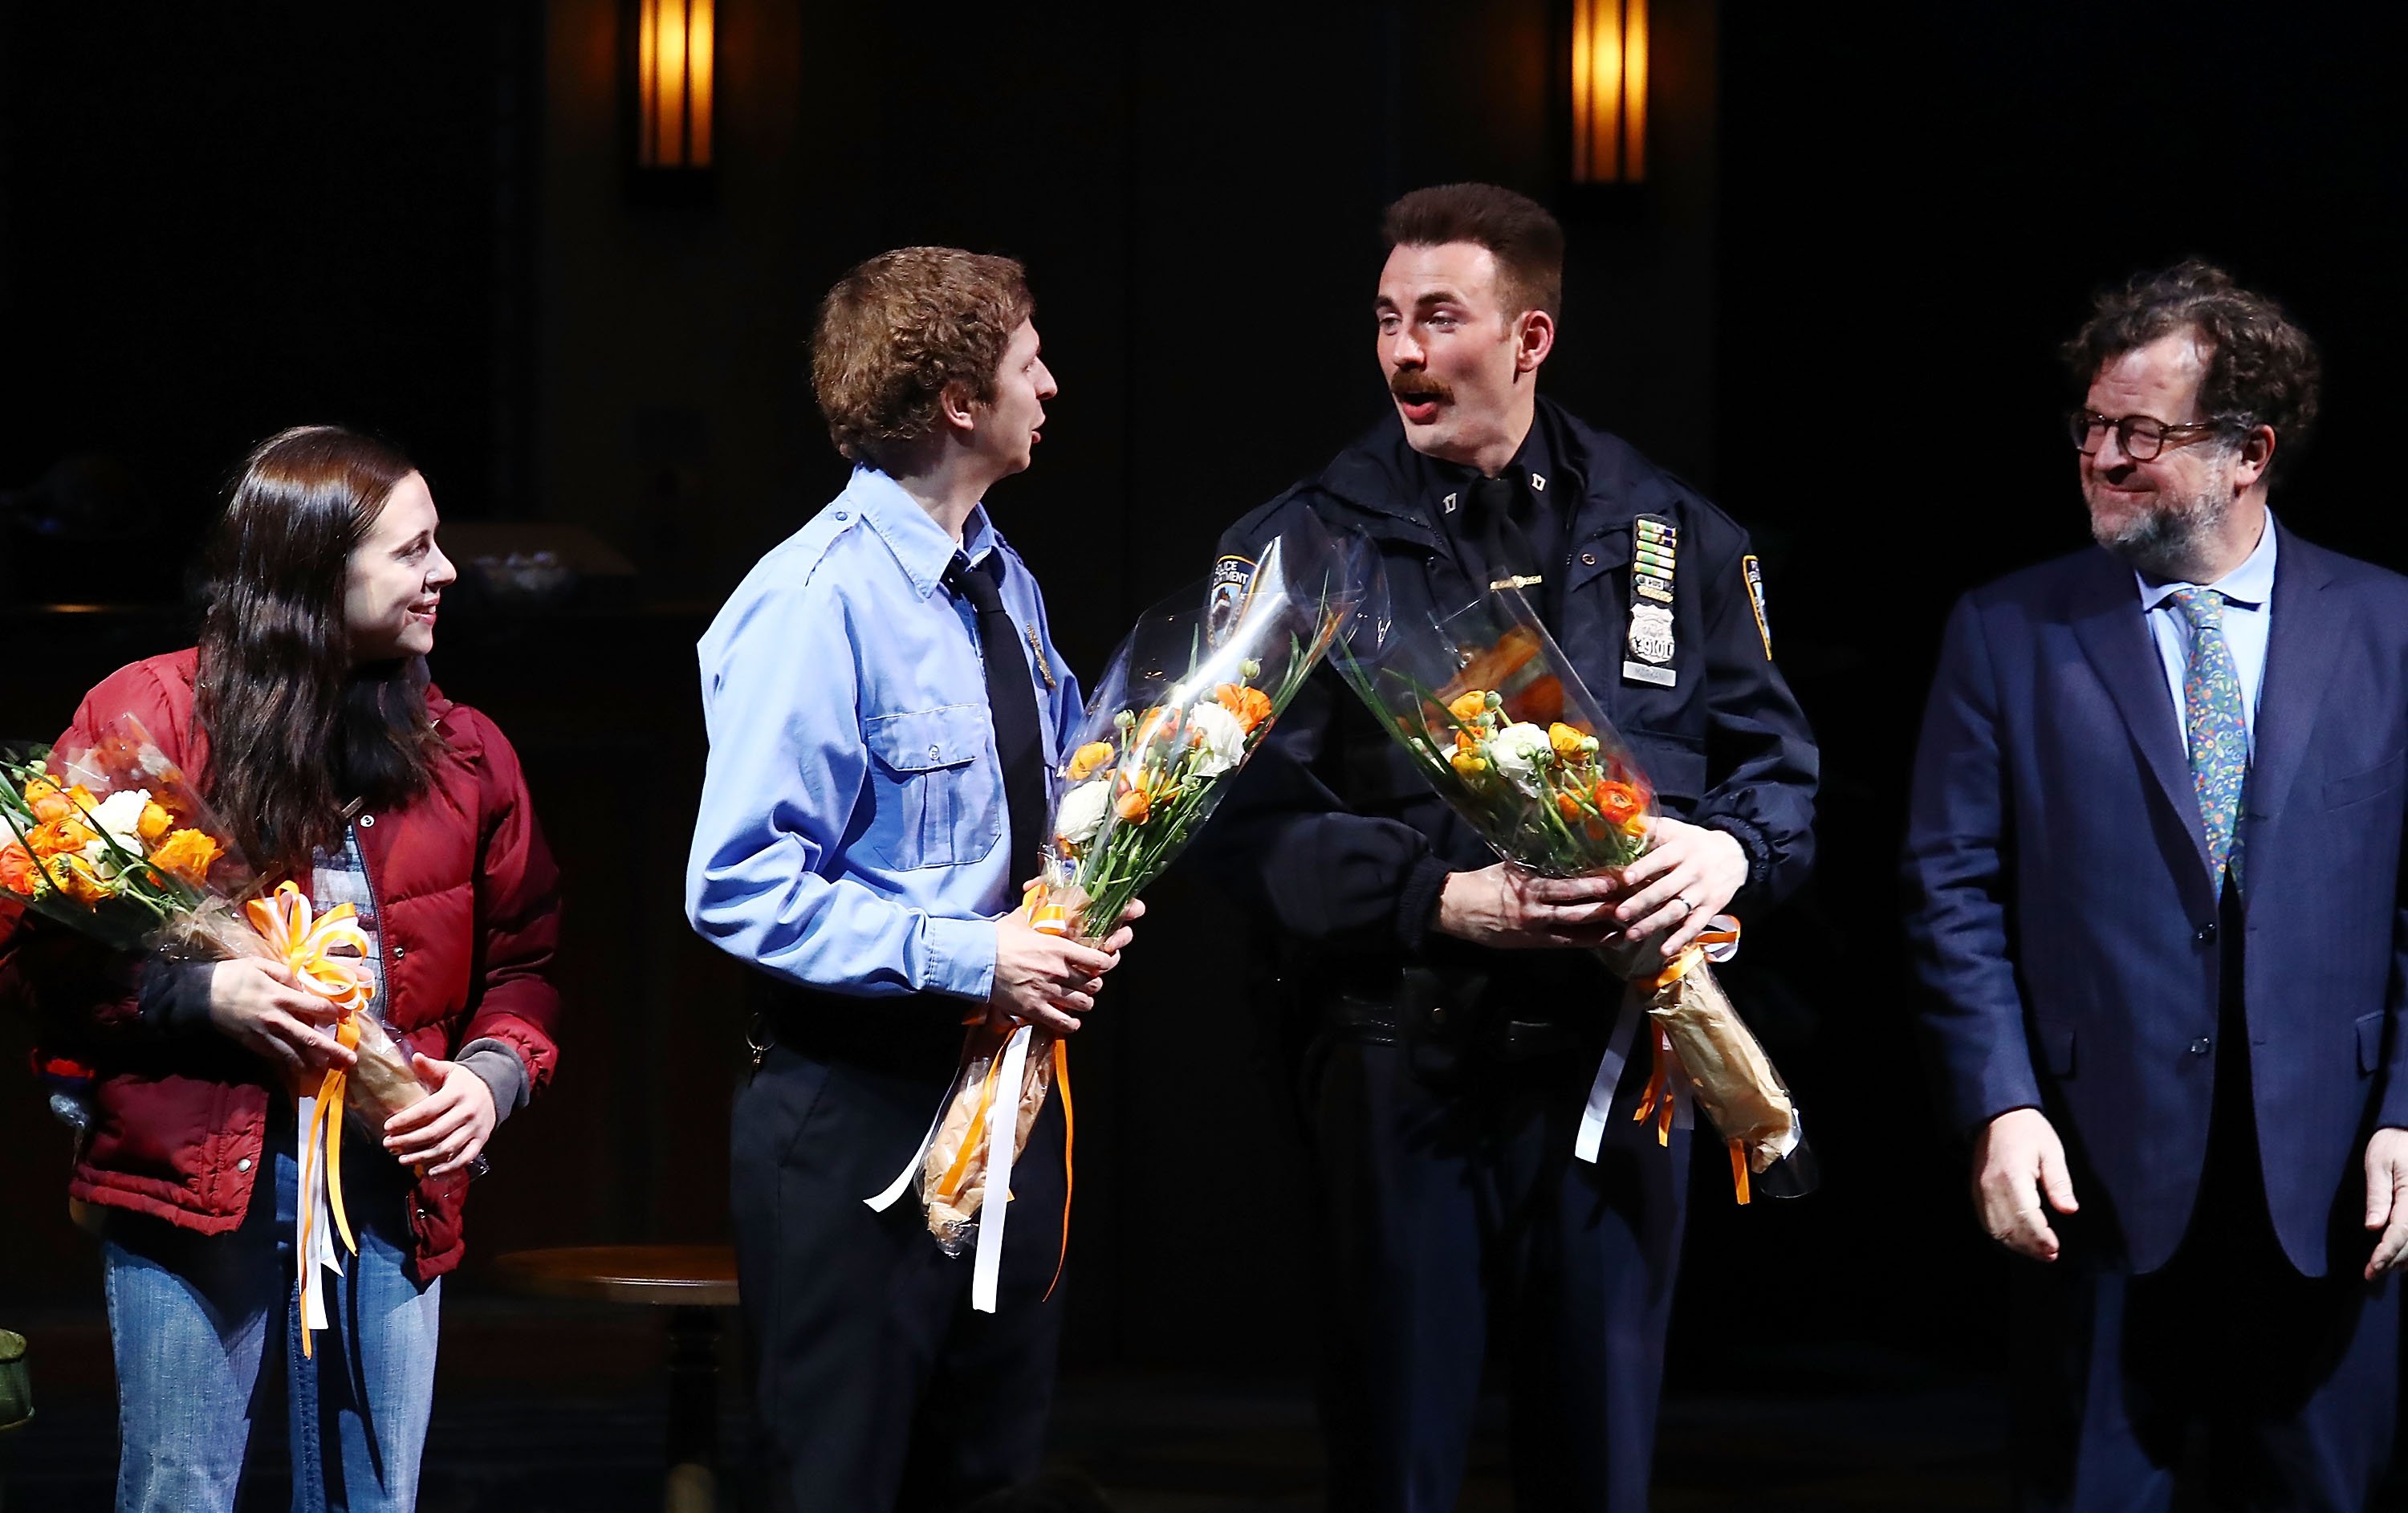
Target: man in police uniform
{"type": "Point", "coordinates": [1457, 1016]}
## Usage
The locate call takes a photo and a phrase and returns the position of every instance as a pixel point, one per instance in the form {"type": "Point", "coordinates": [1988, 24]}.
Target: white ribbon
{"type": "Point", "coordinates": [315, 1218]}
{"type": "Point", "coordinates": [1617, 1055]}
{"type": "Point", "coordinates": [1609, 1077]}
{"type": "Point", "coordinates": [1002, 1132]}
{"type": "Point", "coordinates": [912, 1168]}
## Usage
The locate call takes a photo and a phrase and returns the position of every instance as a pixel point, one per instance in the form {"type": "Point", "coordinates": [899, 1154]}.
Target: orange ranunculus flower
{"type": "Point", "coordinates": [60, 836]}
{"type": "Point", "coordinates": [1251, 706]}
{"type": "Point", "coordinates": [1133, 805]}
{"type": "Point", "coordinates": [1569, 807]}
{"type": "Point", "coordinates": [1156, 725]}
{"type": "Point", "coordinates": [187, 854]}
{"type": "Point", "coordinates": [1468, 760]}
{"type": "Point", "coordinates": [1540, 702]}
{"type": "Point", "coordinates": [155, 823]}
{"type": "Point", "coordinates": [16, 870]}
{"type": "Point", "coordinates": [1621, 804]}
{"type": "Point", "coordinates": [1086, 759]}
{"type": "Point", "coordinates": [1470, 706]}
{"type": "Point", "coordinates": [1571, 745]}
{"type": "Point", "coordinates": [47, 802]}
{"type": "Point", "coordinates": [74, 877]}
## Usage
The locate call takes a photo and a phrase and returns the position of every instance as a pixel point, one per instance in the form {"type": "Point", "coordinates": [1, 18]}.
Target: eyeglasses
{"type": "Point", "coordinates": [2141, 436]}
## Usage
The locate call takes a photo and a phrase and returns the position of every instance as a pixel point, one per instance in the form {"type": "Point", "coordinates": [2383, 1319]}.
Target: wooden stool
{"type": "Point", "coordinates": [689, 1280]}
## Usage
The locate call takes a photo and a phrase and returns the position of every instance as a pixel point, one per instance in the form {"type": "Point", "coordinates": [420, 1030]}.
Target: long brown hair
{"type": "Point", "coordinates": [295, 731]}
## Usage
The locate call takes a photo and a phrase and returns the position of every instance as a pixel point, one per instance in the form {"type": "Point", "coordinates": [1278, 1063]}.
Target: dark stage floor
{"type": "Point", "coordinates": [562, 1410]}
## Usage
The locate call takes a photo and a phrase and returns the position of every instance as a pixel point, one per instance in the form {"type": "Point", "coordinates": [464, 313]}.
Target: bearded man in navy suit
{"type": "Point", "coordinates": [2154, 864]}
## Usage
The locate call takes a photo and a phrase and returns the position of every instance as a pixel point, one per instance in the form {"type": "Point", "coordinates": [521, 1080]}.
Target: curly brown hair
{"type": "Point", "coordinates": [2261, 369]}
{"type": "Point", "coordinates": [1526, 240]}
{"type": "Point", "coordinates": [898, 330]}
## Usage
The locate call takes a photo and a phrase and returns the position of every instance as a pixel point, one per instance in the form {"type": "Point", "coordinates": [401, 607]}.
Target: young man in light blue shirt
{"type": "Point", "coordinates": [885, 706]}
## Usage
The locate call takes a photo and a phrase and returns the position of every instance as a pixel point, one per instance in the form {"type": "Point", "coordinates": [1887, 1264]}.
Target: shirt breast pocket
{"type": "Point", "coordinates": [937, 797]}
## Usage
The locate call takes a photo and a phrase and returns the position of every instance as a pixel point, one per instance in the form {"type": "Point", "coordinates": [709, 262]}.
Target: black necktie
{"type": "Point", "coordinates": [1011, 704]}
{"type": "Point", "coordinates": [1497, 528]}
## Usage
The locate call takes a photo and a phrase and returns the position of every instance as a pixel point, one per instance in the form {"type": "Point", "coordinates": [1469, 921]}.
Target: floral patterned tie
{"type": "Point", "coordinates": [2216, 726]}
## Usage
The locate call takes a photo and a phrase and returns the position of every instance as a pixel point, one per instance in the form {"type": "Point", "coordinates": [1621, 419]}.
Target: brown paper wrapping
{"type": "Point", "coordinates": [1728, 1071]}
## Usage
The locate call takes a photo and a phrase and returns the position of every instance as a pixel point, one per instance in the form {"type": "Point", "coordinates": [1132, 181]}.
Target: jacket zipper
{"type": "Point", "coordinates": [376, 902]}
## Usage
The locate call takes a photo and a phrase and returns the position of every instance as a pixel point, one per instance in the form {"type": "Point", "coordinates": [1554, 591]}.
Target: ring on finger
{"type": "Point", "coordinates": [1686, 908]}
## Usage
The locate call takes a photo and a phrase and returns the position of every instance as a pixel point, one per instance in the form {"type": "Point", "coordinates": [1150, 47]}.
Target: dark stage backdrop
{"type": "Point", "coordinates": [1834, 306]}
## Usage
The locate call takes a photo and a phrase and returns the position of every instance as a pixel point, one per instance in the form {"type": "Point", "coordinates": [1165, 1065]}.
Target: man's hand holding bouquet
{"type": "Point", "coordinates": [1494, 718]}
{"type": "Point", "coordinates": [1187, 697]}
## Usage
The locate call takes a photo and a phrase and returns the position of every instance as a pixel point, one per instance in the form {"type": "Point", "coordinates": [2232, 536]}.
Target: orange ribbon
{"type": "Point", "coordinates": [1052, 918]}
{"type": "Point", "coordinates": [1069, 1143]}
{"type": "Point", "coordinates": [1055, 920]}
{"type": "Point", "coordinates": [310, 946]}
{"type": "Point", "coordinates": [329, 953]}
{"type": "Point", "coordinates": [1659, 1079]}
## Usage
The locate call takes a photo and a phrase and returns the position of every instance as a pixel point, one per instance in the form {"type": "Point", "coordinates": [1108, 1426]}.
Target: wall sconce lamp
{"type": "Point", "coordinates": [675, 53]}
{"type": "Point", "coordinates": [1609, 92]}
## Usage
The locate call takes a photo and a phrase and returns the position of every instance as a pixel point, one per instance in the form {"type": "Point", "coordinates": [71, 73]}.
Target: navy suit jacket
{"type": "Point", "coordinates": [2065, 924]}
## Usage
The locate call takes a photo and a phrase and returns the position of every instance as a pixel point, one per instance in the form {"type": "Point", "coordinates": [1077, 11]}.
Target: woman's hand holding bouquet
{"type": "Point", "coordinates": [262, 1006]}
{"type": "Point", "coordinates": [112, 843]}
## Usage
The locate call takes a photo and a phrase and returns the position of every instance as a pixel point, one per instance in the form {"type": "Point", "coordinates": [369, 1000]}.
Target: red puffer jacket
{"type": "Point", "coordinates": [469, 915]}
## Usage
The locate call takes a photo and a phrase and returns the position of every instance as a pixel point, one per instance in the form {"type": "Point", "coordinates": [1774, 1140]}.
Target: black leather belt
{"type": "Point", "coordinates": [919, 1034]}
{"type": "Point", "coordinates": [1423, 1015]}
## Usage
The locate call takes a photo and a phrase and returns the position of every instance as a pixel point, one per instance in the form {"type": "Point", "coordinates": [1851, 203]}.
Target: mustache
{"type": "Point", "coordinates": [1412, 384]}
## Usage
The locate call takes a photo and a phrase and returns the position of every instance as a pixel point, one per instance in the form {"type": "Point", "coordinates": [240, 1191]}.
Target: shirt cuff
{"type": "Point", "coordinates": [502, 1071]}
{"type": "Point", "coordinates": [961, 957]}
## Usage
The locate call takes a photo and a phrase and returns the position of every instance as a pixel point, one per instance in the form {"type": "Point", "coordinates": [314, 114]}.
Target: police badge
{"type": "Point", "coordinates": [1654, 554]}
{"type": "Point", "coordinates": [1233, 584]}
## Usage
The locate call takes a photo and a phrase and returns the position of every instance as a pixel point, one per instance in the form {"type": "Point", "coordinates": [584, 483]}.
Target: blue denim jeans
{"type": "Point", "coordinates": [190, 1317]}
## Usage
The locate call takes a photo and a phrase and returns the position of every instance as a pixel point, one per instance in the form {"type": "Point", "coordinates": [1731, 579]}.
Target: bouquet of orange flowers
{"type": "Point", "coordinates": [1501, 727]}
{"type": "Point", "coordinates": [1188, 696]}
{"type": "Point", "coordinates": [111, 842]}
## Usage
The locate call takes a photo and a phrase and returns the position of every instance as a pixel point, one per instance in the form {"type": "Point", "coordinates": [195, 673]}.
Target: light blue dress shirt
{"type": "Point", "coordinates": [2248, 593]}
{"type": "Point", "coordinates": [850, 837]}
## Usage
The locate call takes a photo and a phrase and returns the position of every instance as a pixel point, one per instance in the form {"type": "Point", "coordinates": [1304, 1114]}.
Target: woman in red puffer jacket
{"type": "Point", "coordinates": [306, 717]}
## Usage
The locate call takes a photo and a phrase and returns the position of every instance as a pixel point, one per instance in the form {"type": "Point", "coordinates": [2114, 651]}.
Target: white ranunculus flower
{"type": "Point", "coordinates": [121, 815]}
{"type": "Point", "coordinates": [1083, 811]}
{"type": "Point", "coordinates": [1219, 735]}
{"type": "Point", "coordinates": [1519, 750]}
{"type": "Point", "coordinates": [103, 860]}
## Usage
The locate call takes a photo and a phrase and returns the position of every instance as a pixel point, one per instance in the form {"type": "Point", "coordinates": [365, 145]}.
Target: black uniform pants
{"type": "Point", "coordinates": [877, 1386]}
{"type": "Point", "coordinates": [2280, 1388]}
{"type": "Point", "coordinates": [1453, 1213]}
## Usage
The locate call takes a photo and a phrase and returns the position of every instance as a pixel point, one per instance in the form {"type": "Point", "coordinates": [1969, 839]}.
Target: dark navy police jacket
{"type": "Point", "coordinates": [2064, 921]}
{"type": "Point", "coordinates": [1336, 838]}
